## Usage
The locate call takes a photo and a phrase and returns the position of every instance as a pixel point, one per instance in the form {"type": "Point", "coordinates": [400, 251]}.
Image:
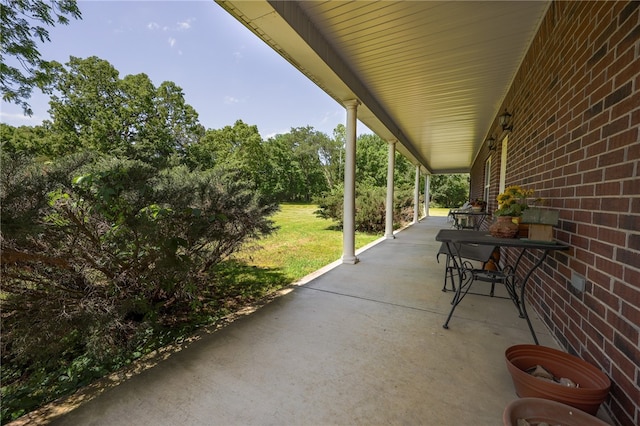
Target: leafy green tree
{"type": "Point", "coordinates": [27, 140]}
{"type": "Point", "coordinates": [85, 109]}
{"type": "Point", "coordinates": [296, 157]}
{"type": "Point", "coordinates": [239, 148]}
{"type": "Point", "coordinates": [372, 160]}
{"type": "Point", "coordinates": [308, 146]}
{"type": "Point", "coordinates": [404, 173]}
{"type": "Point", "coordinates": [176, 121]}
{"type": "Point", "coordinates": [92, 108]}
{"type": "Point", "coordinates": [331, 152]}
{"type": "Point", "coordinates": [21, 28]}
{"type": "Point", "coordinates": [285, 176]}
{"type": "Point", "coordinates": [449, 190]}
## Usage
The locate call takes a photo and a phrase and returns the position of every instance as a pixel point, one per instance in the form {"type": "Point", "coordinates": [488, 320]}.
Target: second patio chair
{"type": "Point", "coordinates": [466, 254]}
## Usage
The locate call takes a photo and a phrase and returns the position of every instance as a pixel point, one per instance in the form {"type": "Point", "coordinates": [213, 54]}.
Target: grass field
{"type": "Point", "coordinates": [438, 211]}
{"type": "Point", "coordinates": [304, 243]}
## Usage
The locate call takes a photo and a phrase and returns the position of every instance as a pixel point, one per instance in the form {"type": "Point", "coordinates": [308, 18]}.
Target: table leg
{"type": "Point", "coordinates": [522, 294]}
{"type": "Point", "coordinates": [510, 284]}
{"type": "Point", "coordinates": [457, 222]}
{"type": "Point", "coordinates": [456, 297]}
{"type": "Point", "coordinates": [511, 281]}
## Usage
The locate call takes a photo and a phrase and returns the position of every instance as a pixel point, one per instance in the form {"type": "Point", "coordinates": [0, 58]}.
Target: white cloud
{"type": "Point", "coordinates": [184, 25]}
{"type": "Point", "coordinates": [231, 100]}
{"type": "Point", "coordinates": [172, 41]}
{"type": "Point", "coordinates": [179, 26]}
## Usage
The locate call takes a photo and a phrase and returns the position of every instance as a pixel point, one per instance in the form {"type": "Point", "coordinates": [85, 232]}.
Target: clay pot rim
{"type": "Point", "coordinates": [601, 380]}
{"type": "Point", "coordinates": [588, 396]}
{"type": "Point", "coordinates": [594, 383]}
{"type": "Point", "coordinates": [580, 418]}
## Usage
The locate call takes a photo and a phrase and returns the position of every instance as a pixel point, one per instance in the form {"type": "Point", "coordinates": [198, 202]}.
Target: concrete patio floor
{"type": "Point", "coordinates": [357, 345]}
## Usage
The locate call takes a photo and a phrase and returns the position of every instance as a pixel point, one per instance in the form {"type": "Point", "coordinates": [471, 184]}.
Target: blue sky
{"type": "Point", "coordinates": [225, 71]}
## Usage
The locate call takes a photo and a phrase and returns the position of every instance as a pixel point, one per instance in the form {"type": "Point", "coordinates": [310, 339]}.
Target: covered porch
{"type": "Point", "coordinates": [352, 344]}
{"type": "Point", "coordinates": [538, 94]}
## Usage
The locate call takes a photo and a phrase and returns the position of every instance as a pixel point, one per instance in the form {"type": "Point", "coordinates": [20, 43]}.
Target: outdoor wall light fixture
{"type": "Point", "coordinates": [505, 122]}
{"type": "Point", "coordinates": [491, 143]}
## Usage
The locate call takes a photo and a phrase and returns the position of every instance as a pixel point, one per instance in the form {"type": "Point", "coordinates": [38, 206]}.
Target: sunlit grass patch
{"type": "Point", "coordinates": [303, 243]}
{"type": "Point", "coordinates": [438, 211]}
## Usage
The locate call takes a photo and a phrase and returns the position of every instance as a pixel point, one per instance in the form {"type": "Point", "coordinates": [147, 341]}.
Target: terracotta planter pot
{"type": "Point", "coordinates": [538, 410]}
{"type": "Point", "coordinates": [503, 227]}
{"type": "Point", "coordinates": [593, 384]}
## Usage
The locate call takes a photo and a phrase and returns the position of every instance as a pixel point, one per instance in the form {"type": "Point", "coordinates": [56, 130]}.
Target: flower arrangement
{"type": "Point", "coordinates": [513, 201]}
{"type": "Point", "coordinates": [479, 202]}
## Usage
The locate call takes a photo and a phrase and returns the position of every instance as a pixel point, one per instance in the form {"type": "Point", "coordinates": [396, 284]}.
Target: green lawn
{"type": "Point", "coordinates": [438, 211]}
{"type": "Point", "coordinates": [304, 243]}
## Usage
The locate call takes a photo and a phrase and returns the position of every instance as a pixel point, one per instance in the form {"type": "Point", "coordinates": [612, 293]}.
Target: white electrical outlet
{"type": "Point", "coordinates": [578, 281]}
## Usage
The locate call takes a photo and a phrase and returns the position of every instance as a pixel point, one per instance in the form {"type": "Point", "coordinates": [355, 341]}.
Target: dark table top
{"type": "Point", "coordinates": [469, 212]}
{"type": "Point", "coordinates": [484, 238]}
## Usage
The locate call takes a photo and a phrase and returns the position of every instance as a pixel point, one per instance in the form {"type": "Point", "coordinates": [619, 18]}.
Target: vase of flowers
{"type": "Point", "coordinates": [478, 205]}
{"type": "Point", "coordinates": [511, 203]}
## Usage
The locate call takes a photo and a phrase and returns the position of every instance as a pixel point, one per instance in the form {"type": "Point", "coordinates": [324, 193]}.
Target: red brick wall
{"type": "Point", "coordinates": [576, 114]}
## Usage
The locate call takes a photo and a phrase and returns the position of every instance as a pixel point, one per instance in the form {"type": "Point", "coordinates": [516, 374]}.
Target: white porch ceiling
{"type": "Point", "coordinates": [430, 74]}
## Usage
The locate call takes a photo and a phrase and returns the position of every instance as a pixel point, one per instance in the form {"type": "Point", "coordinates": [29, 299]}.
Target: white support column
{"type": "Point", "coordinates": [416, 196]}
{"type": "Point", "coordinates": [349, 209]}
{"type": "Point", "coordinates": [427, 184]}
{"type": "Point", "coordinates": [388, 209]}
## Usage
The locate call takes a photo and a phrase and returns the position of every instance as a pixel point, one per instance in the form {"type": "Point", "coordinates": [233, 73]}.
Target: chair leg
{"type": "Point", "coordinates": [461, 292]}
{"type": "Point", "coordinates": [448, 275]}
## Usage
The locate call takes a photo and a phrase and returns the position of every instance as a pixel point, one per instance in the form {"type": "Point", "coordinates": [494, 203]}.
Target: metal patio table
{"type": "Point", "coordinates": [455, 238]}
{"type": "Point", "coordinates": [468, 218]}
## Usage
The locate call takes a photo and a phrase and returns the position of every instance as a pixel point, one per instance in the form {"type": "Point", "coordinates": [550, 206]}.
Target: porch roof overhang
{"type": "Point", "coordinates": [432, 75]}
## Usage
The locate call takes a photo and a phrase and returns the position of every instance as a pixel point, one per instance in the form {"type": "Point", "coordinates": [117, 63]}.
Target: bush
{"type": "Point", "coordinates": [97, 253]}
{"type": "Point", "coordinates": [370, 208]}
{"type": "Point", "coordinates": [330, 205]}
